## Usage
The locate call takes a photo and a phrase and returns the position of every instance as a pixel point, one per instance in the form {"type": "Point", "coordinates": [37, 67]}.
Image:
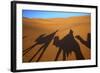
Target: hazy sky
{"type": "Point", "coordinates": [50, 14]}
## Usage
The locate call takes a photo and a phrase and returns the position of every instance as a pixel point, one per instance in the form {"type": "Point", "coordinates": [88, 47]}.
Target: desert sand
{"type": "Point", "coordinates": [34, 27]}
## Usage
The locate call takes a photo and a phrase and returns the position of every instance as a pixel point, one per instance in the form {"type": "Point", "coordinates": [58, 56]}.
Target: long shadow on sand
{"type": "Point", "coordinates": [67, 45]}
{"type": "Point", "coordinates": [42, 39]}
{"type": "Point", "coordinates": [87, 42]}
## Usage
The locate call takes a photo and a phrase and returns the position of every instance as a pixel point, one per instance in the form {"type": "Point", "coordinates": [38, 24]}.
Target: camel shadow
{"type": "Point", "coordinates": [87, 42]}
{"type": "Point", "coordinates": [67, 44]}
{"type": "Point", "coordinates": [42, 39]}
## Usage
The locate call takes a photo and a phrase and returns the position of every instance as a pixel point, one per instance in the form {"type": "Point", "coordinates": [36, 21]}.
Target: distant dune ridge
{"type": "Point", "coordinates": [34, 27]}
{"type": "Point", "coordinates": [56, 21]}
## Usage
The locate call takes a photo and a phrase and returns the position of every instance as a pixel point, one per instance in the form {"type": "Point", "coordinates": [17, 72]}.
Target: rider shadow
{"type": "Point", "coordinates": [68, 44]}
{"type": "Point", "coordinates": [42, 39]}
{"type": "Point", "coordinates": [87, 42]}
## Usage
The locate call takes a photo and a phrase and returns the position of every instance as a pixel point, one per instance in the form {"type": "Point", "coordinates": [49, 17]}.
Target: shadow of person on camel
{"type": "Point", "coordinates": [67, 45]}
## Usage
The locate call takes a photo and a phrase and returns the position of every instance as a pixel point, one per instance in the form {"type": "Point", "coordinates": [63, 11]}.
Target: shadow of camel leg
{"type": "Point", "coordinates": [36, 53]}
{"type": "Point", "coordinates": [79, 55]}
{"type": "Point", "coordinates": [58, 53]}
{"type": "Point", "coordinates": [64, 56]}
{"type": "Point", "coordinates": [42, 53]}
{"type": "Point", "coordinates": [28, 49]}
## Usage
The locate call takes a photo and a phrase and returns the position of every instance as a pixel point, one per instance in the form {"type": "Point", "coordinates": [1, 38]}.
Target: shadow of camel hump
{"type": "Point", "coordinates": [45, 40]}
{"type": "Point", "coordinates": [67, 45]}
{"type": "Point", "coordinates": [87, 42]}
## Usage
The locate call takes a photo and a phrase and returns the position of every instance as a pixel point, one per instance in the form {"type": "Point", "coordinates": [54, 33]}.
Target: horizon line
{"type": "Point", "coordinates": [56, 17]}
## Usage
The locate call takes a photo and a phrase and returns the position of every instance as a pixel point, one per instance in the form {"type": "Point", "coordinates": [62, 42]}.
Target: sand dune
{"type": "Point", "coordinates": [56, 21]}
{"type": "Point", "coordinates": [34, 27]}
